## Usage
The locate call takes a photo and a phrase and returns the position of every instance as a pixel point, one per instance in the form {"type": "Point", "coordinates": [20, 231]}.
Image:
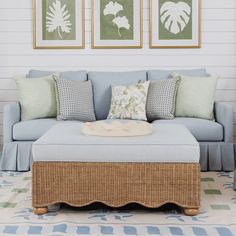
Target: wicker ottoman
{"type": "Point", "coordinates": [149, 170]}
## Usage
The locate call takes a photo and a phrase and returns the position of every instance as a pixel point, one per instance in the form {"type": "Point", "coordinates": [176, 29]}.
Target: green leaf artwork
{"type": "Point", "coordinates": [58, 19]}
{"type": "Point", "coordinates": [116, 20]}
{"type": "Point", "coordinates": [175, 19]}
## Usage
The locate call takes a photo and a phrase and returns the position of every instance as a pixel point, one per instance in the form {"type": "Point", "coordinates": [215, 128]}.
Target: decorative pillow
{"type": "Point", "coordinates": [195, 97]}
{"type": "Point", "coordinates": [161, 99]}
{"type": "Point", "coordinates": [129, 102]}
{"type": "Point", "coordinates": [74, 100]}
{"type": "Point", "coordinates": [37, 97]}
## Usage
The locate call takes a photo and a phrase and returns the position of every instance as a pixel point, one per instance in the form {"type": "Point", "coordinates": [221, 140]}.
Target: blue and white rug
{"type": "Point", "coordinates": [217, 215]}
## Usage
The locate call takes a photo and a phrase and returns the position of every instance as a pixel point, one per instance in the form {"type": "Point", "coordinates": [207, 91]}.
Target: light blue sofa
{"type": "Point", "coordinates": [215, 137]}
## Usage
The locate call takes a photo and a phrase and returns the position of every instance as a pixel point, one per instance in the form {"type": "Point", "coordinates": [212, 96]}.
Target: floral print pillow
{"type": "Point", "coordinates": [129, 102]}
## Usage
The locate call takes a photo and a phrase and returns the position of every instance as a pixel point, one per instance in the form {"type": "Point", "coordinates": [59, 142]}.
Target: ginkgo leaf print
{"type": "Point", "coordinates": [58, 18]}
{"type": "Point", "coordinates": [112, 8]}
{"type": "Point", "coordinates": [116, 19]}
{"type": "Point", "coordinates": [121, 22]}
{"type": "Point", "coordinates": [175, 16]}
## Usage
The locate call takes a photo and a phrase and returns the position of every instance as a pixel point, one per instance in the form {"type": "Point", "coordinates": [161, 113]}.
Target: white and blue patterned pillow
{"type": "Point", "coordinates": [129, 102]}
{"type": "Point", "coordinates": [74, 100]}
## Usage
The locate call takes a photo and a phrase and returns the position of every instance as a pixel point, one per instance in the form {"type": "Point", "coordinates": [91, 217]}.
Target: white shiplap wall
{"type": "Point", "coordinates": [218, 52]}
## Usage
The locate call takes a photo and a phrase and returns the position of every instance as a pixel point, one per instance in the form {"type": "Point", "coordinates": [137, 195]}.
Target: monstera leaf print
{"type": "Point", "coordinates": [58, 18]}
{"type": "Point", "coordinates": [175, 16]}
{"type": "Point", "coordinates": [121, 22]}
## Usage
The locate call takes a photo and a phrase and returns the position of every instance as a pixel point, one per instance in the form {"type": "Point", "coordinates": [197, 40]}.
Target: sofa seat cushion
{"type": "Point", "coordinates": [202, 130]}
{"type": "Point", "coordinates": [168, 143]}
{"type": "Point", "coordinates": [32, 130]}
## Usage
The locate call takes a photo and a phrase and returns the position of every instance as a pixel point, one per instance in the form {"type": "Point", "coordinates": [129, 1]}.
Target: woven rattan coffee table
{"type": "Point", "coordinates": [149, 170]}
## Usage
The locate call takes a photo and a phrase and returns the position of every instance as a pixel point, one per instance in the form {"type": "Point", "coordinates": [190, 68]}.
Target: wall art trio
{"type": "Point", "coordinates": [116, 24]}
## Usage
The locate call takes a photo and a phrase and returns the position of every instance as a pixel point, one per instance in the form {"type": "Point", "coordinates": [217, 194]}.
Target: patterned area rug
{"type": "Point", "coordinates": [217, 215]}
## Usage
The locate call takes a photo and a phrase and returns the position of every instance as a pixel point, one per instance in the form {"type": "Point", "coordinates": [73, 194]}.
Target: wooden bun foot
{"type": "Point", "coordinates": [40, 210]}
{"type": "Point", "coordinates": [191, 211]}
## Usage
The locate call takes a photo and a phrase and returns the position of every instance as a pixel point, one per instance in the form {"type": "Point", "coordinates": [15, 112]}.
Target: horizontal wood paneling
{"type": "Point", "coordinates": [212, 4]}
{"type": "Point", "coordinates": [120, 60]}
{"type": "Point", "coordinates": [224, 72]}
{"type": "Point", "coordinates": [208, 26]}
{"type": "Point", "coordinates": [226, 84]}
{"type": "Point", "coordinates": [225, 95]}
{"type": "Point", "coordinates": [206, 49]}
{"type": "Point", "coordinates": [7, 84]}
{"type": "Point", "coordinates": [207, 14]}
{"type": "Point", "coordinates": [217, 55]}
{"type": "Point", "coordinates": [8, 95]}
{"type": "Point", "coordinates": [207, 38]}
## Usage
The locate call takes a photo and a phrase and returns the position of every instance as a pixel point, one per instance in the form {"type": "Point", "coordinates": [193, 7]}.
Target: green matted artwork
{"type": "Point", "coordinates": [116, 23]}
{"type": "Point", "coordinates": [64, 28]}
{"type": "Point", "coordinates": [117, 20]}
{"type": "Point", "coordinates": [58, 23]}
{"type": "Point", "coordinates": [175, 23]}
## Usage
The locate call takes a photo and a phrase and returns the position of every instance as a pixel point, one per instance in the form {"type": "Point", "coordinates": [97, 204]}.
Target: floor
{"type": "Point", "coordinates": [217, 214]}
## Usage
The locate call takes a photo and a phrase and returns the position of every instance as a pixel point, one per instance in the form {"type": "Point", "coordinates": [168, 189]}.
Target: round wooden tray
{"type": "Point", "coordinates": [117, 128]}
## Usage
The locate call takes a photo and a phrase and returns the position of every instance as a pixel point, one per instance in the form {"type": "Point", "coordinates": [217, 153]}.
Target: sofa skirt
{"type": "Point", "coordinates": [214, 156]}
{"type": "Point", "coordinates": [218, 156]}
{"type": "Point", "coordinates": [17, 156]}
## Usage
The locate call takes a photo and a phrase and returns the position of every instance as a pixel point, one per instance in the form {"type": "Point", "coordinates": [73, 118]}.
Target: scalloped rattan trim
{"type": "Point", "coordinates": [116, 184]}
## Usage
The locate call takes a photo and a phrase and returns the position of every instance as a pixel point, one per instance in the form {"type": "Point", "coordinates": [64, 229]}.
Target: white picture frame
{"type": "Point", "coordinates": [42, 14]}
{"type": "Point", "coordinates": [111, 13]}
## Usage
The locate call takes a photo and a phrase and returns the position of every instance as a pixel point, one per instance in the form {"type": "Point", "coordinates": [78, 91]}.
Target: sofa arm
{"type": "Point", "coordinates": [224, 116]}
{"type": "Point", "coordinates": [11, 116]}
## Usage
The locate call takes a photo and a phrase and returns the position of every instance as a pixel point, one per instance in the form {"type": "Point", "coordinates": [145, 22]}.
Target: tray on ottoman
{"type": "Point", "coordinates": [150, 170]}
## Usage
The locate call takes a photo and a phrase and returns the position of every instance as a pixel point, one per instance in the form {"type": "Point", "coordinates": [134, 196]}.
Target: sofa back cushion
{"type": "Point", "coordinates": [165, 74]}
{"type": "Point", "coordinates": [102, 82]}
{"type": "Point", "coordinates": [70, 75]}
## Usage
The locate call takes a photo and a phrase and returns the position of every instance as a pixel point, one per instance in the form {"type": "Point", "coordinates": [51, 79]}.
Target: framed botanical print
{"type": "Point", "coordinates": [58, 24]}
{"type": "Point", "coordinates": [116, 23]}
{"type": "Point", "coordinates": [175, 24]}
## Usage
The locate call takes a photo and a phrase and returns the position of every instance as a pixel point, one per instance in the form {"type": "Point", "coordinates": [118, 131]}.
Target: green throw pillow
{"type": "Point", "coordinates": [37, 97]}
{"type": "Point", "coordinates": [195, 97]}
